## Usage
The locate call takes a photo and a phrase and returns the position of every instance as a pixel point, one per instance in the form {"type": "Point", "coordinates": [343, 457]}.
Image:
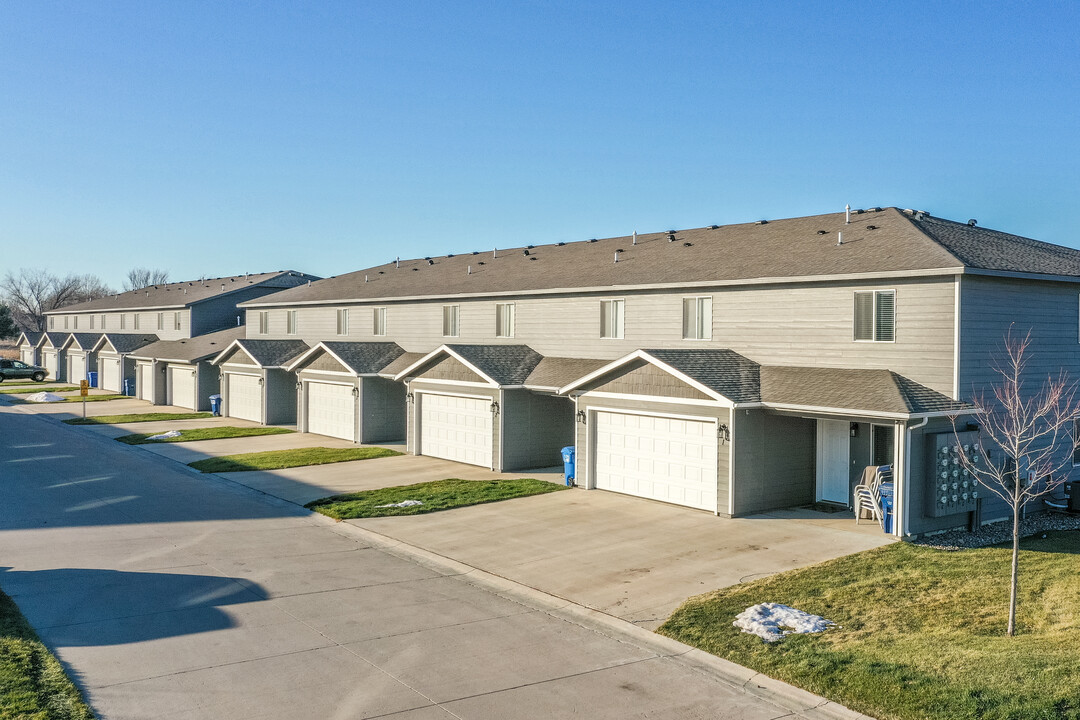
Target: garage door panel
{"type": "Point", "coordinates": [182, 387]}
{"type": "Point", "coordinates": [331, 410]}
{"type": "Point", "coordinates": [245, 397]}
{"type": "Point", "coordinates": [456, 428]}
{"type": "Point", "coordinates": [146, 382]}
{"type": "Point", "coordinates": [668, 459]}
{"type": "Point", "coordinates": [110, 373]}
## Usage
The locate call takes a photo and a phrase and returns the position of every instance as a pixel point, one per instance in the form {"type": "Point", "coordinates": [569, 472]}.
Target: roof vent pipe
{"type": "Point", "coordinates": [308, 284]}
{"type": "Point", "coordinates": [469, 271]}
{"type": "Point", "coordinates": [222, 287]}
{"type": "Point", "coordinates": [494, 252]}
{"type": "Point", "coordinates": [847, 214]}
{"type": "Point", "coordinates": [397, 262]}
{"type": "Point", "coordinates": [634, 242]}
{"type": "Point", "coordinates": [237, 321]}
{"type": "Point", "coordinates": [365, 278]}
{"type": "Point", "coordinates": [840, 238]}
{"type": "Point", "coordinates": [616, 257]}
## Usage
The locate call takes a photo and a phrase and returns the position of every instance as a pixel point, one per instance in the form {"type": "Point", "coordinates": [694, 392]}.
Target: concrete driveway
{"type": "Point", "coordinates": [172, 594]}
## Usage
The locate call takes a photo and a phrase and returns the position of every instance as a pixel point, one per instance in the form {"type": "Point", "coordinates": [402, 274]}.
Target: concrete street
{"type": "Point", "coordinates": [172, 594]}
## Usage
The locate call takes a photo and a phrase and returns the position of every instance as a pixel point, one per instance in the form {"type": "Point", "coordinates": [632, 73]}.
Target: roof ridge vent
{"type": "Point", "coordinates": [972, 222]}
{"type": "Point", "coordinates": [762, 222]}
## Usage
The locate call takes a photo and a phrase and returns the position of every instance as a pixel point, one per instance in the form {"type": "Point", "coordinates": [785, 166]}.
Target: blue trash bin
{"type": "Point", "coordinates": [568, 454]}
{"type": "Point", "coordinates": [886, 493]}
{"type": "Point", "coordinates": [91, 377]}
{"type": "Point", "coordinates": [129, 387]}
{"type": "Point", "coordinates": [215, 405]}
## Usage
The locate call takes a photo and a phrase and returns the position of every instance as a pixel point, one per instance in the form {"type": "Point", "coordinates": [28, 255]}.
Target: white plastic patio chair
{"type": "Point", "coordinates": [867, 500]}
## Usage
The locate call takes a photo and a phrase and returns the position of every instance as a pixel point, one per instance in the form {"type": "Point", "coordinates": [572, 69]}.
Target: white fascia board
{"type": "Point", "coordinates": [236, 344]}
{"type": "Point", "coordinates": [101, 311]}
{"type": "Point", "coordinates": [849, 412]}
{"type": "Point", "coordinates": [618, 289]}
{"type": "Point", "coordinates": [441, 350]}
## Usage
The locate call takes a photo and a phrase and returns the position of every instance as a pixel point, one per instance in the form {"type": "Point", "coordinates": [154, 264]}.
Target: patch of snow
{"type": "Point", "coordinates": [46, 397]}
{"type": "Point", "coordinates": [165, 435]}
{"type": "Point", "coordinates": [768, 620]}
{"type": "Point", "coordinates": [403, 503]}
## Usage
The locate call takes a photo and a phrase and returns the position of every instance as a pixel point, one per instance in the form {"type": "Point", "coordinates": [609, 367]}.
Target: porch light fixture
{"type": "Point", "coordinates": [723, 432]}
{"type": "Point", "coordinates": [854, 429]}
{"type": "Point", "coordinates": [299, 385]}
{"type": "Point", "coordinates": [408, 397]}
{"type": "Point", "coordinates": [581, 416]}
{"type": "Point", "coordinates": [494, 407]}
{"type": "Point", "coordinates": [355, 391]}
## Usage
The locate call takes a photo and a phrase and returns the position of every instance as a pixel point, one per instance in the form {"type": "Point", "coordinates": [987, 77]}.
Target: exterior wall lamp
{"type": "Point", "coordinates": [494, 407]}
{"type": "Point", "coordinates": [581, 416]}
{"type": "Point", "coordinates": [723, 432]}
{"type": "Point", "coordinates": [408, 397]}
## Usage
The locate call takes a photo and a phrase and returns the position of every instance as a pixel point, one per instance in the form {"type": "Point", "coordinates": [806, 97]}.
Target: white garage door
{"type": "Point", "coordinates": [660, 458]}
{"type": "Point", "coordinates": [76, 368]}
{"type": "Point", "coordinates": [456, 428]}
{"type": "Point", "coordinates": [110, 373]}
{"type": "Point", "coordinates": [146, 382]}
{"type": "Point", "coordinates": [182, 387]}
{"type": "Point", "coordinates": [331, 410]}
{"type": "Point", "coordinates": [28, 356]}
{"type": "Point", "coordinates": [51, 364]}
{"type": "Point", "coordinates": [245, 397]}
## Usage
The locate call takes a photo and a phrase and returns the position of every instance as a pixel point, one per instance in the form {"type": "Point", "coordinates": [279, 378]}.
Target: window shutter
{"type": "Point", "coordinates": [885, 320]}
{"type": "Point", "coordinates": [689, 321]}
{"type": "Point", "coordinates": [705, 318]}
{"type": "Point", "coordinates": [864, 316]}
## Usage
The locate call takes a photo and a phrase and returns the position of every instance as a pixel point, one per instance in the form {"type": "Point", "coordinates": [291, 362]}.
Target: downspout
{"type": "Point", "coordinates": [907, 475]}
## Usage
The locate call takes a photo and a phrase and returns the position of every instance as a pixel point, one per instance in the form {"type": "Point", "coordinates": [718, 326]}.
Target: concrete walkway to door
{"type": "Point", "coordinates": [632, 558]}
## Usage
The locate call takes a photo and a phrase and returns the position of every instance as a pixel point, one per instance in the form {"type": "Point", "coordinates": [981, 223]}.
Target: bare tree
{"type": "Point", "coordinates": [1035, 434]}
{"type": "Point", "coordinates": [31, 293]}
{"type": "Point", "coordinates": [144, 277]}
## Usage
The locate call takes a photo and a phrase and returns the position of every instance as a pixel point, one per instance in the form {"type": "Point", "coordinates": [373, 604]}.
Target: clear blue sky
{"type": "Point", "coordinates": [218, 138]}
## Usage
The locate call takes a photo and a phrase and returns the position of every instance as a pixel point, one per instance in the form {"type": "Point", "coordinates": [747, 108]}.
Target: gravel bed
{"type": "Point", "coordinates": [1000, 532]}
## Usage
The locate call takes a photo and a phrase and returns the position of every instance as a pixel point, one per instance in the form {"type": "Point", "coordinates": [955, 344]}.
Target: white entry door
{"type": "Point", "coordinates": [833, 456]}
{"type": "Point", "coordinates": [110, 373]}
{"type": "Point", "coordinates": [456, 428]}
{"type": "Point", "coordinates": [146, 382]}
{"type": "Point", "coordinates": [331, 410]}
{"type": "Point", "coordinates": [662, 458]}
{"type": "Point", "coordinates": [182, 387]}
{"type": "Point", "coordinates": [245, 397]}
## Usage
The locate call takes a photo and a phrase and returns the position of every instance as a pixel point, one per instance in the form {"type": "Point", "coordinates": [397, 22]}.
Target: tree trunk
{"type": "Point", "coordinates": [1015, 572]}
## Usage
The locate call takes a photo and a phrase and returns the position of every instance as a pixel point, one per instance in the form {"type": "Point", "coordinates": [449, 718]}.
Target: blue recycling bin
{"type": "Point", "coordinates": [215, 405]}
{"type": "Point", "coordinates": [91, 377]}
{"type": "Point", "coordinates": [129, 386]}
{"type": "Point", "coordinates": [886, 493]}
{"type": "Point", "coordinates": [568, 455]}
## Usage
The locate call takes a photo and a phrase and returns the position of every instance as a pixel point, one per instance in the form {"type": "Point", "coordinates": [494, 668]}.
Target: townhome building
{"type": "Point", "coordinates": [117, 338]}
{"type": "Point", "coordinates": [737, 369]}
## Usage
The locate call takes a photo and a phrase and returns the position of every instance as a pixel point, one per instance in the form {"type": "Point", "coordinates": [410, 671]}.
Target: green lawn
{"type": "Point", "coordinates": [279, 459]}
{"type": "Point", "coordinates": [32, 682]}
{"type": "Point", "coordinates": [211, 433]}
{"type": "Point", "coordinates": [922, 631]}
{"type": "Point", "coordinates": [97, 398]}
{"type": "Point", "coordinates": [136, 417]}
{"type": "Point", "coordinates": [435, 496]}
{"type": "Point", "coordinates": [24, 390]}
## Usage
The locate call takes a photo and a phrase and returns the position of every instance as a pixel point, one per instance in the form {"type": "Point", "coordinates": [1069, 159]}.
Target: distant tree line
{"type": "Point", "coordinates": [26, 295]}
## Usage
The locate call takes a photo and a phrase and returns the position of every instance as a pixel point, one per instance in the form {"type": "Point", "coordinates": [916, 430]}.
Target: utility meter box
{"type": "Point", "coordinates": [952, 488]}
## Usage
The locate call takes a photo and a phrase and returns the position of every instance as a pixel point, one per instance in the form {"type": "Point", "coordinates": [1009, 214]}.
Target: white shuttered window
{"type": "Point", "coordinates": [290, 322]}
{"type": "Point", "coordinates": [264, 322]}
{"type": "Point", "coordinates": [504, 320]}
{"type": "Point", "coordinates": [450, 321]}
{"type": "Point", "coordinates": [697, 318]}
{"type": "Point", "coordinates": [611, 318]}
{"type": "Point", "coordinates": [378, 321]}
{"type": "Point", "coordinates": [875, 316]}
{"type": "Point", "coordinates": [343, 322]}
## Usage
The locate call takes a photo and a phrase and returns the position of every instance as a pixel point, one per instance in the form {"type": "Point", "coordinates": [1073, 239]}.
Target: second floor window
{"type": "Point", "coordinates": [65, 322]}
{"type": "Point", "coordinates": [123, 321]}
{"type": "Point", "coordinates": [378, 321]}
{"type": "Point", "coordinates": [697, 318]}
{"type": "Point", "coordinates": [504, 320]}
{"type": "Point", "coordinates": [136, 321]}
{"type": "Point", "coordinates": [264, 323]}
{"type": "Point", "coordinates": [611, 318]}
{"type": "Point", "coordinates": [102, 322]}
{"type": "Point", "coordinates": [290, 322]}
{"type": "Point", "coordinates": [176, 320]}
{"type": "Point", "coordinates": [52, 323]}
{"type": "Point", "coordinates": [76, 321]}
{"type": "Point", "coordinates": [91, 322]}
{"type": "Point", "coordinates": [450, 320]}
{"type": "Point", "coordinates": [161, 321]}
{"type": "Point", "coordinates": [342, 322]}
{"type": "Point", "coordinates": [875, 316]}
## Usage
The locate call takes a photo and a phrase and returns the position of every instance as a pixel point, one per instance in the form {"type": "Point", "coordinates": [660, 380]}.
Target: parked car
{"type": "Point", "coordinates": [15, 369]}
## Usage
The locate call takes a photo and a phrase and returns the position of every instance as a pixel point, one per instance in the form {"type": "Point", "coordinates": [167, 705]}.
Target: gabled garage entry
{"type": "Point", "coordinates": [111, 378]}
{"type": "Point", "coordinates": [330, 409]}
{"type": "Point", "coordinates": [456, 427]}
{"type": "Point", "coordinates": [650, 429]}
{"type": "Point", "coordinates": [181, 384]}
{"type": "Point", "coordinates": [254, 382]}
{"type": "Point", "coordinates": [244, 396]}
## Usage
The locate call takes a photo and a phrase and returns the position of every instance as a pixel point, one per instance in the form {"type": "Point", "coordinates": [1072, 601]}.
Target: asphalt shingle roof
{"type": "Point", "coordinates": [86, 341]}
{"type": "Point", "coordinates": [187, 292]}
{"type": "Point", "coordinates": [366, 358]}
{"type": "Point", "coordinates": [31, 337]}
{"type": "Point", "coordinates": [57, 339]}
{"type": "Point", "coordinates": [505, 364]}
{"type": "Point", "coordinates": [852, 389]}
{"type": "Point", "coordinates": [876, 241]}
{"type": "Point", "coordinates": [273, 353]}
{"type": "Point", "coordinates": [557, 372]}
{"type": "Point", "coordinates": [724, 371]}
{"type": "Point", "coordinates": [127, 344]}
{"type": "Point", "coordinates": [403, 361]}
{"type": "Point", "coordinates": [193, 349]}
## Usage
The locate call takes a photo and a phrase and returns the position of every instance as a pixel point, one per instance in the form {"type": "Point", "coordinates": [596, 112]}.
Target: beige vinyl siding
{"type": "Point", "coordinates": [148, 324]}
{"type": "Point", "coordinates": [805, 324]}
